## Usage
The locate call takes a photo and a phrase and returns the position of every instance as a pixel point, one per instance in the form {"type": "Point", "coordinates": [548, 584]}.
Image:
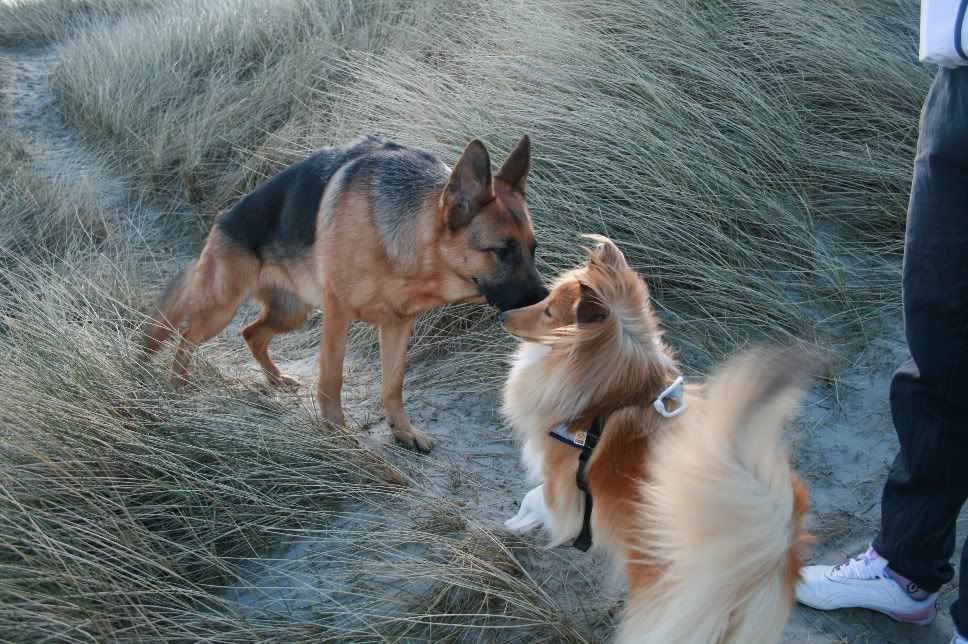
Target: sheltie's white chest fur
{"type": "Point", "coordinates": [526, 397]}
{"type": "Point", "coordinates": [529, 355]}
{"type": "Point", "coordinates": [521, 394]}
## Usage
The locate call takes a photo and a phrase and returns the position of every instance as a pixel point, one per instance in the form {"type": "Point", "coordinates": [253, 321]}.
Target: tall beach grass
{"type": "Point", "coordinates": [751, 157]}
{"type": "Point", "coordinates": [37, 23]}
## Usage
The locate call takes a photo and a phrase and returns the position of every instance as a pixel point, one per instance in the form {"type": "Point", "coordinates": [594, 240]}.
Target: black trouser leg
{"type": "Point", "coordinates": [959, 610]}
{"type": "Point", "coordinates": [928, 482]}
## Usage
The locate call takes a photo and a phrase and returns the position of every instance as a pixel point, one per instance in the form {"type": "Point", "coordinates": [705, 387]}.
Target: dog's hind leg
{"type": "Point", "coordinates": [222, 278]}
{"type": "Point", "coordinates": [282, 311]}
{"type": "Point", "coordinates": [332, 351]}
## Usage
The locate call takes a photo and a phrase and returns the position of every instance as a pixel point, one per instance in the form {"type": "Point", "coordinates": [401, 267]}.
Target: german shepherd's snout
{"type": "Point", "coordinates": [371, 230]}
{"type": "Point", "coordinates": [523, 288]}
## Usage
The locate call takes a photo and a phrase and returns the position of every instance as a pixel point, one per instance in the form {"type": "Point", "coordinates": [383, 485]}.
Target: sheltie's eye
{"type": "Point", "coordinates": [547, 311]}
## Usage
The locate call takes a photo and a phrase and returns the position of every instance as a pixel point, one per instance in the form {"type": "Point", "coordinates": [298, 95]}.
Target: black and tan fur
{"type": "Point", "coordinates": [372, 231]}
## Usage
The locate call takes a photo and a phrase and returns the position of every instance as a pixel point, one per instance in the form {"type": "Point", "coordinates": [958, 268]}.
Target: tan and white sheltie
{"type": "Point", "coordinates": [701, 509]}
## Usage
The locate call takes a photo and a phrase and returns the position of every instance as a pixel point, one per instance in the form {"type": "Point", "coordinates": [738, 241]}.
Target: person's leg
{"type": "Point", "coordinates": [928, 482]}
{"type": "Point", "coordinates": [929, 479]}
{"type": "Point", "coordinates": [959, 609]}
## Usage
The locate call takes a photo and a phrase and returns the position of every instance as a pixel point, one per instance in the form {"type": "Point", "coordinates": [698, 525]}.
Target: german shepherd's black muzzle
{"type": "Point", "coordinates": [508, 294]}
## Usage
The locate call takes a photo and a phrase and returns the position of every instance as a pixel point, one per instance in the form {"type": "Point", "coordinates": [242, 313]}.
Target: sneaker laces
{"type": "Point", "coordinates": [866, 565]}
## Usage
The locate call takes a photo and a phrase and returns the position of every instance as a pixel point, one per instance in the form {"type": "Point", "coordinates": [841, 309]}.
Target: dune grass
{"type": "Point", "coordinates": [36, 23]}
{"type": "Point", "coordinates": [716, 167]}
{"type": "Point", "coordinates": [128, 512]}
{"type": "Point", "coordinates": [71, 217]}
{"type": "Point", "coordinates": [204, 83]}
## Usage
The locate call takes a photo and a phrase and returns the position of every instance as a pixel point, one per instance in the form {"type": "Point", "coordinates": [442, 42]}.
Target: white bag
{"type": "Point", "coordinates": [944, 33]}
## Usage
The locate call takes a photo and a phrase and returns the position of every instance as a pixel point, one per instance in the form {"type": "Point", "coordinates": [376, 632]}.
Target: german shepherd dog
{"type": "Point", "coordinates": [689, 490]}
{"type": "Point", "coordinates": [372, 231]}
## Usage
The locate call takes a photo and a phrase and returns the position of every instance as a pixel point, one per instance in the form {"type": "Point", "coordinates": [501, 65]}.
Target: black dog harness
{"type": "Point", "coordinates": [587, 439]}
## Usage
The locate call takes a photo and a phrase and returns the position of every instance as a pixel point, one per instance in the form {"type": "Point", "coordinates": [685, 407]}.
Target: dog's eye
{"type": "Point", "coordinates": [505, 251]}
{"type": "Point", "coordinates": [547, 311]}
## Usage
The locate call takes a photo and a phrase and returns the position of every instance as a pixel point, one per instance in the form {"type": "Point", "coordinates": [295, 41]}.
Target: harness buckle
{"type": "Point", "coordinates": [672, 392]}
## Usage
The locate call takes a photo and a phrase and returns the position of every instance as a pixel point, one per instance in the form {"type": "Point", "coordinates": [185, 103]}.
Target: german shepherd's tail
{"type": "Point", "coordinates": [171, 311]}
{"type": "Point", "coordinates": [722, 513]}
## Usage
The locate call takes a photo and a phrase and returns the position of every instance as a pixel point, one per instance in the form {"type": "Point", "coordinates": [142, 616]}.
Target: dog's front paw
{"type": "Point", "coordinates": [523, 522]}
{"type": "Point", "coordinates": [283, 381]}
{"type": "Point", "coordinates": [532, 513]}
{"type": "Point", "coordinates": [332, 413]}
{"type": "Point", "coordinates": [412, 438]}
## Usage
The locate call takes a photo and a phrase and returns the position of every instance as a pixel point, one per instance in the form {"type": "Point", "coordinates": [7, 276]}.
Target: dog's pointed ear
{"type": "Point", "coordinates": [469, 187]}
{"type": "Point", "coordinates": [590, 307]}
{"type": "Point", "coordinates": [514, 171]}
{"type": "Point", "coordinates": [606, 253]}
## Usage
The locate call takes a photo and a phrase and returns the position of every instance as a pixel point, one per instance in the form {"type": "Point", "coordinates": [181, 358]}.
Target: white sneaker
{"type": "Point", "coordinates": [862, 583]}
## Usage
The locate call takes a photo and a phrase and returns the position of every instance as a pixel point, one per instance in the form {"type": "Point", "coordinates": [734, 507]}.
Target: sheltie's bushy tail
{"type": "Point", "coordinates": [723, 512]}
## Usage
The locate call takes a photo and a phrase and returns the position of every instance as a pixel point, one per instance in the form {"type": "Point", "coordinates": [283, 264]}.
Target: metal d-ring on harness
{"type": "Point", "coordinates": [587, 439]}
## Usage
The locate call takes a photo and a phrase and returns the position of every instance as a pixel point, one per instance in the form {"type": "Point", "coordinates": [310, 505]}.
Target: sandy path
{"type": "Point", "coordinates": [57, 152]}
{"type": "Point", "coordinates": [843, 440]}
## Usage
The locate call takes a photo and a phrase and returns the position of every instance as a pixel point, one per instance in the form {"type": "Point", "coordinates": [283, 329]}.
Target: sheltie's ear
{"type": "Point", "coordinates": [606, 253]}
{"type": "Point", "coordinates": [590, 308]}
